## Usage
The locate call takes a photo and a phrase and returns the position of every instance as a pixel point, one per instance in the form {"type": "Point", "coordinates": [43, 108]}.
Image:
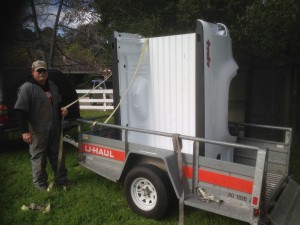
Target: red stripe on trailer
{"type": "Point", "coordinates": [227, 181]}
{"type": "Point", "coordinates": [103, 152]}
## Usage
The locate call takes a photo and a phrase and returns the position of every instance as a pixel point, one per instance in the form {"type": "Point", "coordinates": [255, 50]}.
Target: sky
{"type": "Point", "coordinates": [47, 16]}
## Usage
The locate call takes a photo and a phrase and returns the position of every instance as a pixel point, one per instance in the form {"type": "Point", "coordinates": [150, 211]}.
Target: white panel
{"type": "Point", "coordinates": [162, 95]}
{"type": "Point", "coordinates": [219, 69]}
{"type": "Point", "coordinates": [173, 86]}
{"type": "Point", "coordinates": [135, 107]}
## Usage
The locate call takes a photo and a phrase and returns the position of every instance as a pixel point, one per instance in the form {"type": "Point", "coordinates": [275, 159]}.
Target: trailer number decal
{"type": "Point", "coordinates": [103, 152]}
{"type": "Point", "coordinates": [238, 197]}
{"type": "Point", "coordinates": [222, 180]}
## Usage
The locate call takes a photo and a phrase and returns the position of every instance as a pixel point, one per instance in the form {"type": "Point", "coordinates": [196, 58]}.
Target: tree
{"type": "Point", "coordinates": [265, 29]}
{"type": "Point", "coordinates": [269, 29]}
{"type": "Point", "coordinates": [260, 29]}
{"type": "Point", "coordinates": [8, 27]}
{"type": "Point", "coordinates": [146, 17]}
{"type": "Point", "coordinates": [86, 47]}
{"type": "Point", "coordinates": [40, 30]}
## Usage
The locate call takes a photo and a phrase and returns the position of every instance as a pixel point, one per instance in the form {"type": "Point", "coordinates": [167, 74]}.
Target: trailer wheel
{"type": "Point", "coordinates": [146, 191]}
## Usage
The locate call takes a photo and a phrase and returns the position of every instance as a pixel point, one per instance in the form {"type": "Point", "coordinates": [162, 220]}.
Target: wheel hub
{"type": "Point", "coordinates": [146, 191]}
{"type": "Point", "coordinates": [144, 194]}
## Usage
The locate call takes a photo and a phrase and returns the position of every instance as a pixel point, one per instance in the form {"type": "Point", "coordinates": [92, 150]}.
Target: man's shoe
{"type": "Point", "coordinates": [42, 188]}
{"type": "Point", "coordinates": [65, 183]}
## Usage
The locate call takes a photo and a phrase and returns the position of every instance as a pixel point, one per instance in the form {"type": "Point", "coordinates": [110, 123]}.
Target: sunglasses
{"type": "Point", "coordinates": [41, 70]}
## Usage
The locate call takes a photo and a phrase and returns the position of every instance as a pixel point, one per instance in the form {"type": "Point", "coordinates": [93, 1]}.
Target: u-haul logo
{"type": "Point", "coordinates": [103, 152]}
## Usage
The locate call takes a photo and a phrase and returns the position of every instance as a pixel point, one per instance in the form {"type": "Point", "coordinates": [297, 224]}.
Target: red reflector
{"type": "Point", "coordinates": [3, 114]}
{"type": "Point", "coordinates": [3, 107]}
{"type": "Point", "coordinates": [256, 212]}
{"type": "Point", "coordinates": [255, 200]}
{"type": "Point", "coordinates": [4, 119]}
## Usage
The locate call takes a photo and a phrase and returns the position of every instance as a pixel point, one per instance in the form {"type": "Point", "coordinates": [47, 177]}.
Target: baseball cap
{"type": "Point", "coordinates": [39, 65]}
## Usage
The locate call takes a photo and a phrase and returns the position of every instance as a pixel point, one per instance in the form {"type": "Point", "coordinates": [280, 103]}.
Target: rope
{"type": "Point", "coordinates": [72, 103]}
{"type": "Point", "coordinates": [136, 70]}
{"type": "Point", "coordinates": [60, 152]}
{"type": "Point", "coordinates": [134, 75]}
{"type": "Point", "coordinates": [123, 97]}
{"type": "Point", "coordinates": [131, 81]}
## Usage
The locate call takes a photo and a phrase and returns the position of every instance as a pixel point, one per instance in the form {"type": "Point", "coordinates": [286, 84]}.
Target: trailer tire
{"type": "Point", "coordinates": [146, 191]}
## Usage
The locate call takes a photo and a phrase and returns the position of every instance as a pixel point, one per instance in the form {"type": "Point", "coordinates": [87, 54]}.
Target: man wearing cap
{"type": "Point", "coordinates": [39, 111]}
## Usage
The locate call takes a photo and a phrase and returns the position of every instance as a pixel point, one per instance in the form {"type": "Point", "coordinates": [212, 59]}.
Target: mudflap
{"type": "Point", "coordinates": [286, 210]}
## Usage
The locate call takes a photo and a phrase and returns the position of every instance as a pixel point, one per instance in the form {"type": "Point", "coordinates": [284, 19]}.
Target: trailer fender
{"type": "Point", "coordinates": [165, 162]}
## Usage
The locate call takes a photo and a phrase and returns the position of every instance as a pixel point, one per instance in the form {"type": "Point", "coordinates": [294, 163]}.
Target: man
{"type": "Point", "coordinates": [39, 112]}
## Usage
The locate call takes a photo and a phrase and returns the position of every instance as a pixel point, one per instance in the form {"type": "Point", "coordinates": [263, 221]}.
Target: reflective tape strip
{"type": "Point", "coordinates": [223, 180]}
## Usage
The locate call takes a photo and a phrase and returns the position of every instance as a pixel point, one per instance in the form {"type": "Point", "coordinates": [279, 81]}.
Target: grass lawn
{"type": "Point", "coordinates": [93, 200]}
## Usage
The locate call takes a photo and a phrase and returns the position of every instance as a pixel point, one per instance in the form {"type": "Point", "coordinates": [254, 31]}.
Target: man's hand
{"type": "Point", "coordinates": [64, 111]}
{"type": "Point", "coordinates": [27, 137]}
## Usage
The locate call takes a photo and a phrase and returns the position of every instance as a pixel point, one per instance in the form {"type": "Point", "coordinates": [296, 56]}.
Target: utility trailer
{"type": "Point", "coordinates": [171, 135]}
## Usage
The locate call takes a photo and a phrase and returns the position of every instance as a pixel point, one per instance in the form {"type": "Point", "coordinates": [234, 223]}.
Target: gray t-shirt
{"type": "Point", "coordinates": [41, 106]}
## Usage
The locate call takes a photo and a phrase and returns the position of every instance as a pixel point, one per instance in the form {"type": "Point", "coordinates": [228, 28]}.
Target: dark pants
{"type": "Point", "coordinates": [45, 144]}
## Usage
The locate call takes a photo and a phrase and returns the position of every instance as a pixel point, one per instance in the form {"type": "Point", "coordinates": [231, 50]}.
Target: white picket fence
{"type": "Point", "coordinates": [101, 100]}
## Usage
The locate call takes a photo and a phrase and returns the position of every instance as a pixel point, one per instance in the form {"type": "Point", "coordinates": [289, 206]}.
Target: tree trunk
{"type": "Point", "coordinates": [53, 37]}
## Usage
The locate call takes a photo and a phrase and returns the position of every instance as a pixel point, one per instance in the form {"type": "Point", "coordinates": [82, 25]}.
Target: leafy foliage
{"type": "Point", "coordinates": [80, 39]}
{"type": "Point", "coordinates": [268, 29]}
{"type": "Point", "coordinates": [260, 29]}
{"type": "Point", "coordinates": [147, 17]}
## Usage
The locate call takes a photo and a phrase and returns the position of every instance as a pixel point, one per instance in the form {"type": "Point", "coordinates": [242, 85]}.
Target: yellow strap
{"type": "Point", "coordinates": [123, 97]}
{"type": "Point", "coordinates": [60, 153]}
{"type": "Point", "coordinates": [121, 100]}
{"type": "Point", "coordinates": [43, 208]}
{"type": "Point", "coordinates": [134, 75]}
{"type": "Point", "coordinates": [72, 103]}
